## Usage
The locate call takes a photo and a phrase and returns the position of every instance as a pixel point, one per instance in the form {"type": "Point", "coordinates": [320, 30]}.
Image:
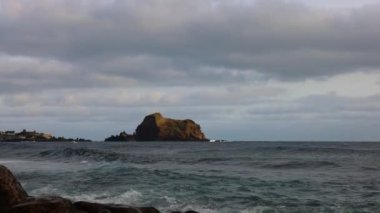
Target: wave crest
{"type": "Point", "coordinates": [82, 152]}
{"type": "Point", "coordinates": [301, 165]}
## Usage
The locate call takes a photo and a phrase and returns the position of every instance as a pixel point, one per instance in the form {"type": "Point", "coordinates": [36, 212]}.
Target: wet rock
{"type": "Point", "coordinates": [11, 191]}
{"type": "Point", "coordinates": [111, 208]}
{"type": "Point", "coordinates": [43, 205]}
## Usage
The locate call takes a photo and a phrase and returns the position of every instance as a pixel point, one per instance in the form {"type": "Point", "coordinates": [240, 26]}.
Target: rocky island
{"type": "Point", "coordinates": [24, 135]}
{"type": "Point", "coordinates": [156, 127]}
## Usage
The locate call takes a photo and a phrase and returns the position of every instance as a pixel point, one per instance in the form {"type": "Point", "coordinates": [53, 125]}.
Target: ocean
{"type": "Point", "coordinates": [230, 177]}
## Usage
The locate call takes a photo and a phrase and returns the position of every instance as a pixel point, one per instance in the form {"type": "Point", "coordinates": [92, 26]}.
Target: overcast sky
{"type": "Point", "coordinates": [243, 70]}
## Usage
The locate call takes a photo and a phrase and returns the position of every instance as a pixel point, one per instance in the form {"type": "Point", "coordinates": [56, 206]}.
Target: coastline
{"type": "Point", "coordinates": [34, 136]}
{"type": "Point", "coordinates": [154, 127]}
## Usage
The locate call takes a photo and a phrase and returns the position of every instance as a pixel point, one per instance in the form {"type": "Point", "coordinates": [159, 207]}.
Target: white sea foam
{"type": "Point", "coordinates": [170, 200]}
{"type": "Point", "coordinates": [6, 161]}
{"type": "Point", "coordinates": [95, 197]}
{"type": "Point", "coordinates": [130, 197]}
{"type": "Point", "coordinates": [259, 209]}
{"type": "Point", "coordinates": [46, 190]}
{"type": "Point", "coordinates": [193, 207]}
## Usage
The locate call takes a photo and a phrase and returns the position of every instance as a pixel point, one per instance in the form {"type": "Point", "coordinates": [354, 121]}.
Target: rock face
{"type": "Point", "coordinates": [155, 127]}
{"type": "Point", "coordinates": [11, 192]}
{"type": "Point", "coordinates": [42, 205]}
{"type": "Point", "coordinates": [13, 199]}
{"type": "Point", "coordinates": [96, 208]}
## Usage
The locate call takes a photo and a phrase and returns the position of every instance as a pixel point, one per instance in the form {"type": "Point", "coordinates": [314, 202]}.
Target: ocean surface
{"type": "Point", "coordinates": [233, 177]}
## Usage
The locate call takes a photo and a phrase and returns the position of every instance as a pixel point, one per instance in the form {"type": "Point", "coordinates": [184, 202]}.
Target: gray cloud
{"type": "Point", "coordinates": [235, 66]}
{"type": "Point", "coordinates": [177, 40]}
{"type": "Point", "coordinates": [329, 109]}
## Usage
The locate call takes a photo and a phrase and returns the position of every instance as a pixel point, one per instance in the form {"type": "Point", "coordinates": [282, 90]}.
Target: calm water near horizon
{"type": "Point", "coordinates": [236, 177]}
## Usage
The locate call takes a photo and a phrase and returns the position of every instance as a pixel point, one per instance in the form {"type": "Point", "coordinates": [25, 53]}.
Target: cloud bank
{"type": "Point", "coordinates": [272, 66]}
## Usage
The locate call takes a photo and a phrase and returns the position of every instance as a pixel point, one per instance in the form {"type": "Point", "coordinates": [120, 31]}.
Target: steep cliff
{"type": "Point", "coordinates": [155, 127]}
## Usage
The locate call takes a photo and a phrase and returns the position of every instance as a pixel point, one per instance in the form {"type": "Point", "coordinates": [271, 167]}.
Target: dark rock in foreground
{"type": "Point", "coordinates": [155, 127]}
{"type": "Point", "coordinates": [96, 208]}
{"type": "Point", "coordinates": [11, 192]}
{"type": "Point", "coordinates": [43, 204]}
{"type": "Point", "coordinates": [13, 199]}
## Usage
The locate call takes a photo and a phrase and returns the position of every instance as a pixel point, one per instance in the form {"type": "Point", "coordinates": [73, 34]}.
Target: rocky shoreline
{"type": "Point", "coordinates": [14, 199]}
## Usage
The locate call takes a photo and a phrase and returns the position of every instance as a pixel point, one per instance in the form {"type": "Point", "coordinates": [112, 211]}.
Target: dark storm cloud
{"type": "Point", "coordinates": [159, 41]}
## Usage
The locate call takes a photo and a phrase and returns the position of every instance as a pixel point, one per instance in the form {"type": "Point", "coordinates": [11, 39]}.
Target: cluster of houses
{"type": "Point", "coordinates": [12, 136]}
{"type": "Point", "coordinates": [24, 136]}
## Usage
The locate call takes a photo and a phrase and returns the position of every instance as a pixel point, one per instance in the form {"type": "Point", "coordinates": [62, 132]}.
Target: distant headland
{"type": "Point", "coordinates": [154, 127]}
{"type": "Point", "coordinates": [24, 135]}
